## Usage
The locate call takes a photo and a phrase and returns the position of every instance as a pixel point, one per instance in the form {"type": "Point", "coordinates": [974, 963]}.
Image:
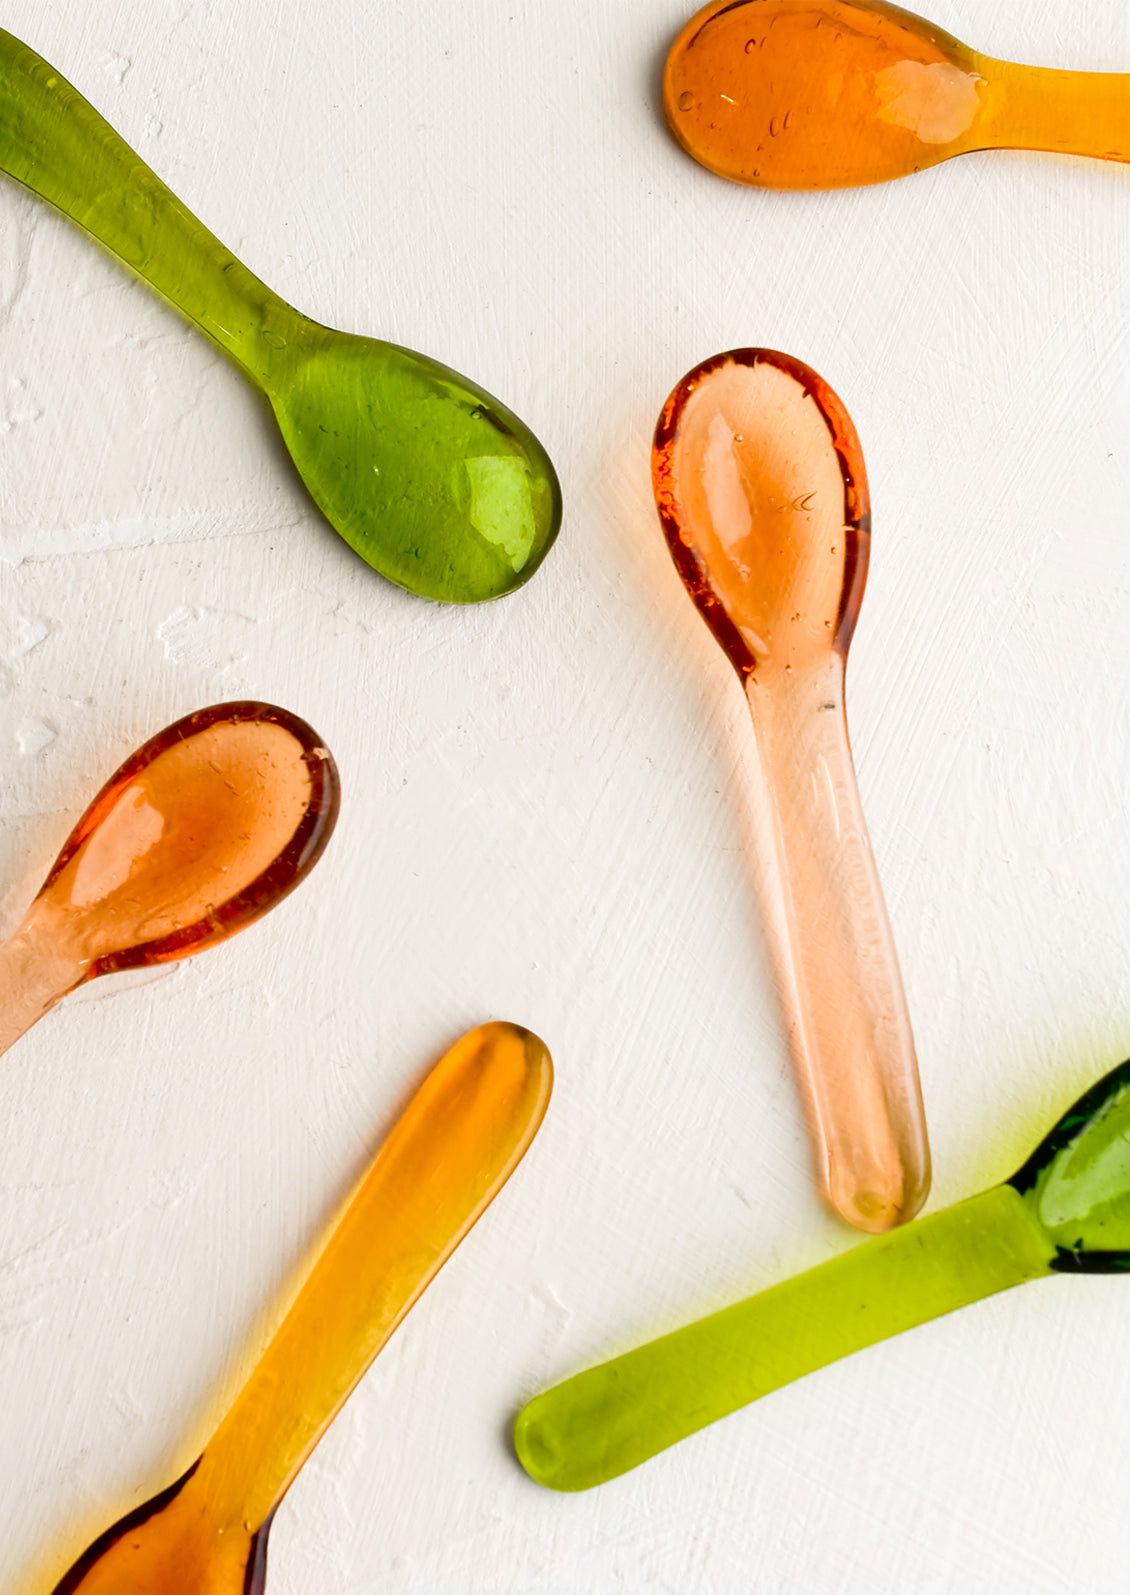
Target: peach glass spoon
{"type": "Point", "coordinates": [459, 1140]}
{"type": "Point", "coordinates": [836, 93]}
{"type": "Point", "coordinates": [200, 832]}
{"type": "Point", "coordinates": [762, 494]}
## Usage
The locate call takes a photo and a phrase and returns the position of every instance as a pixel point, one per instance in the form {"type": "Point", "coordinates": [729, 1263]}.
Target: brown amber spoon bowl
{"type": "Point", "coordinates": [201, 831]}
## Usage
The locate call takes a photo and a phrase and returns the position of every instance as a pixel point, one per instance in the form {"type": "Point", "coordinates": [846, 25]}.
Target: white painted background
{"type": "Point", "coordinates": [546, 810]}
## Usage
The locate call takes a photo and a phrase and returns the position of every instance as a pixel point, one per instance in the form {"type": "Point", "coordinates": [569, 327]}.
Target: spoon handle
{"type": "Point", "coordinates": [458, 1141]}
{"type": "Point", "coordinates": [1069, 113]}
{"type": "Point", "coordinates": [34, 974]}
{"type": "Point", "coordinates": [853, 1038]}
{"type": "Point", "coordinates": [600, 1423]}
{"type": "Point", "coordinates": [55, 143]}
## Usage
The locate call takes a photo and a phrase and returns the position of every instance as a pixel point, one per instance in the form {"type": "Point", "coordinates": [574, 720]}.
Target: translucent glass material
{"type": "Point", "coordinates": [1067, 1210]}
{"type": "Point", "coordinates": [762, 495]}
{"type": "Point", "coordinates": [199, 833]}
{"type": "Point", "coordinates": [432, 481]}
{"type": "Point", "coordinates": [835, 93]}
{"type": "Point", "coordinates": [457, 1143]}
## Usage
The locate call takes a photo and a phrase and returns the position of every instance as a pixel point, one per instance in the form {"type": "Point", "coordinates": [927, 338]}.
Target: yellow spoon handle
{"type": "Point", "coordinates": [460, 1138]}
{"type": "Point", "coordinates": [1069, 113]}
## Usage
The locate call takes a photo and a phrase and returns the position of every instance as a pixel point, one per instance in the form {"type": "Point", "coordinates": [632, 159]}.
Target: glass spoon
{"type": "Point", "coordinates": [836, 93]}
{"type": "Point", "coordinates": [428, 478]}
{"type": "Point", "coordinates": [762, 494]}
{"type": "Point", "coordinates": [459, 1140]}
{"type": "Point", "coordinates": [1066, 1211]}
{"type": "Point", "coordinates": [201, 831]}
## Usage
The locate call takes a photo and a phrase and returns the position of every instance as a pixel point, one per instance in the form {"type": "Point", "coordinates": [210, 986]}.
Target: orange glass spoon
{"type": "Point", "coordinates": [201, 831]}
{"type": "Point", "coordinates": [457, 1143]}
{"type": "Point", "coordinates": [762, 494]}
{"type": "Point", "coordinates": [835, 93]}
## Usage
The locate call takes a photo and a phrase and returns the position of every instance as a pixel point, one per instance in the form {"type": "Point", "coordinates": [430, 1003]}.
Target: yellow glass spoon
{"type": "Point", "coordinates": [202, 830]}
{"type": "Point", "coordinates": [836, 93]}
{"type": "Point", "coordinates": [459, 1140]}
{"type": "Point", "coordinates": [762, 494]}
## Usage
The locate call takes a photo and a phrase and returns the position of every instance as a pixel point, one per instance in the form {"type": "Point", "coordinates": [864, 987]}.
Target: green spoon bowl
{"type": "Point", "coordinates": [432, 481]}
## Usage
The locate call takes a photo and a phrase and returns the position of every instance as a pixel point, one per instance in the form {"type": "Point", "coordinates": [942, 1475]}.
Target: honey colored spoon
{"type": "Point", "coordinates": [762, 495]}
{"type": "Point", "coordinates": [459, 1140]}
{"type": "Point", "coordinates": [429, 479]}
{"type": "Point", "coordinates": [1066, 1211]}
{"type": "Point", "coordinates": [201, 831]}
{"type": "Point", "coordinates": [836, 93]}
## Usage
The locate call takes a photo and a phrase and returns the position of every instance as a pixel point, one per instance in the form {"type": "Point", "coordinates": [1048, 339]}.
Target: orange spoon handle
{"type": "Point", "coordinates": [853, 1038]}
{"type": "Point", "coordinates": [459, 1140]}
{"type": "Point", "coordinates": [35, 971]}
{"type": "Point", "coordinates": [1072, 113]}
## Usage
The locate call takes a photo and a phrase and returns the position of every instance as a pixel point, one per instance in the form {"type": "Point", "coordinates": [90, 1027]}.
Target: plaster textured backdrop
{"type": "Point", "coordinates": [547, 808]}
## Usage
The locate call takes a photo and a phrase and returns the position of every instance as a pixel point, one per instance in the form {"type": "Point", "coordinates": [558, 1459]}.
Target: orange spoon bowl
{"type": "Point", "coordinates": [201, 831]}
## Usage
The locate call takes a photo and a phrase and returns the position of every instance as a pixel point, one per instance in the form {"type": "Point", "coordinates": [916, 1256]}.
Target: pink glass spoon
{"type": "Point", "coordinates": [762, 493]}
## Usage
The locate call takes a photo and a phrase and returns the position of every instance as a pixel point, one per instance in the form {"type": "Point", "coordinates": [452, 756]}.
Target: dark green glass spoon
{"type": "Point", "coordinates": [428, 478]}
{"type": "Point", "coordinates": [1066, 1211]}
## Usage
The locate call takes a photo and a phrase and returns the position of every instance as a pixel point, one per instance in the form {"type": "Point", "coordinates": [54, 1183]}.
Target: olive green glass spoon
{"type": "Point", "coordinates": [433, 482]}
{"type": "Point", "coordinates": [1066, 1211]}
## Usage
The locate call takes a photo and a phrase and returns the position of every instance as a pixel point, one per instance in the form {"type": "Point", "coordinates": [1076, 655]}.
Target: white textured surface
{"type": "Point", "coordinates": [545, 815]}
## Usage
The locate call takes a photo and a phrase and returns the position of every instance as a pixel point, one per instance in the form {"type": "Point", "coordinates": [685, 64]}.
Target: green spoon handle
{"type": "Point", "coordinates": [611, 1418]}
{"type": "Point", "coordinates": [55, 143]}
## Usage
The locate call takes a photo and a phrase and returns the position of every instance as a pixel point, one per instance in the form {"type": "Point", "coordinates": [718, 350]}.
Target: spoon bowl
{"type": "Point", "coordinates": [1067, 1210]}
{"type": "Point", "coordinates": [201, 831]}
{"type": "Point", "coordinates": [762, 495]}
{"type": "Point", "coordinates": [432, 481]}
{"type": "Point", "coordinates": [808, 94]}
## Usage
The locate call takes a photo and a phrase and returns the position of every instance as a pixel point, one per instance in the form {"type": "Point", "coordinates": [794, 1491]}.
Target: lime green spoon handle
{"type": "Point", "coordinates": [613, 1417]}
{"type": "Point", "coordinates": [1067, 1209]}
{"type": "Point", "coordinates": [58, 145]}
{"type": "Point", "coordinates": [431, 480]}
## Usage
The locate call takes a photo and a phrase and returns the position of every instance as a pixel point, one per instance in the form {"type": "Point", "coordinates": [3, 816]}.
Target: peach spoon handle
{"type": "Point", "coordinates": [35, 971]}
{"type": "Point", "coordinates": [853, 1037]}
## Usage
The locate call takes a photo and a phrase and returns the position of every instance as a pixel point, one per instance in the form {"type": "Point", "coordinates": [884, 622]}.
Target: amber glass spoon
{"type": "Point", "coordinates": [214, 821]}
{"type": "Point", "coordinates": [762, 494]}
{"type": "Point", "coordinates": [457, 1143]}
{"type": "Point", "coordinates": [835, 93]}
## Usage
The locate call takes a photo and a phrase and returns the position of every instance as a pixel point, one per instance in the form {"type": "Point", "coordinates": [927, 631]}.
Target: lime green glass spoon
{"type": "Point", "coordinates": [428, 478]}
{"type": "Point", "coordinates": [1066, 1211]}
